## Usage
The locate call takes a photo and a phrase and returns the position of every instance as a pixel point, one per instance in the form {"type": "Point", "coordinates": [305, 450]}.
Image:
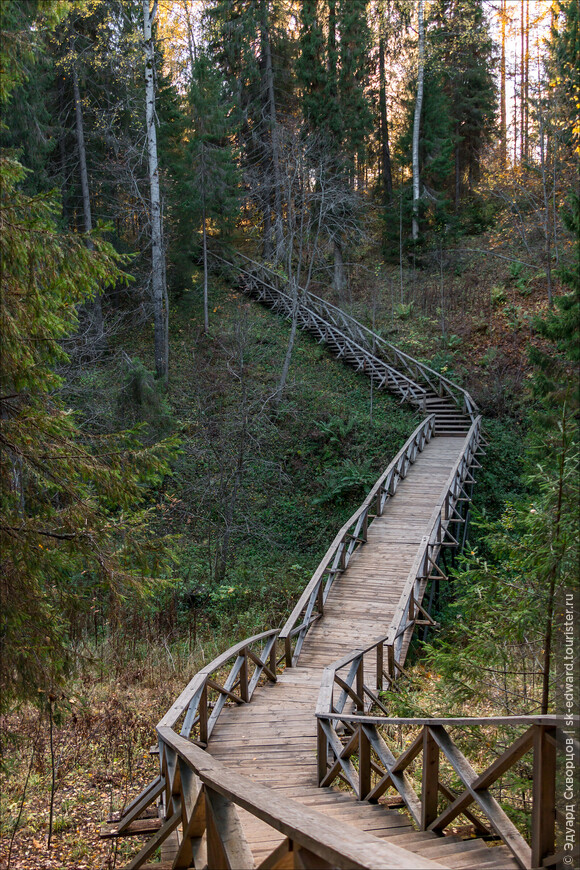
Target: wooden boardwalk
{"type": "Point", "coordinates": [273, 739]}
{"type": "Point", "coordinates": [252, 785]}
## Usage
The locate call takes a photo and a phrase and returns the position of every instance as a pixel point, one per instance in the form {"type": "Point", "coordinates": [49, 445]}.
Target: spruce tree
{"type": "Point", "coordinates": [210, 187]}
{"type": "Point", "coordinates": [72, 526]}
{"type": "Point", "coordinates": [461, 56]}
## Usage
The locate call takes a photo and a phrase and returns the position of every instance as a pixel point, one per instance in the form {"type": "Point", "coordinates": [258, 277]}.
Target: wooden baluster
{"type": "Point", "coordinates": [391, 663]}
{"type": "Point", "coordinates": [379, 667]}
{"type": "Point", "coordinates": [364, 764]}
{"type": "Point", "coordinates": [544, 794]}
{"type": "Point", "coordinates": [321, 751]}
{"type": "Point", "coordinates": [320, 597]}
{"type": "Point", "coordinates": [430, 786]}
{"type": "Point", "coordinates": [203, 715]}
{"type": "Point", "coordinates": [272, 661]}
{"type": "Point", "coordinates": [226, 843]}
{"type": "Point", "coordinates": [360, 678]}
{"type": "Point", "coordinates": [288, 650]}
{"type": "Point", "coordinates": [244, 682]}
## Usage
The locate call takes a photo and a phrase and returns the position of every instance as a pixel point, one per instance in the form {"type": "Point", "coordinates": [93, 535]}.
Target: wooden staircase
{"type": "Point", "coordinates": [274, 757]}
{"type": "Point", "coordinates": [449, 420]}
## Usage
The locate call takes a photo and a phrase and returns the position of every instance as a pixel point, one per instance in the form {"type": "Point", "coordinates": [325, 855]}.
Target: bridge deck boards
{"type": "Point", "coordinates": [273, 739]}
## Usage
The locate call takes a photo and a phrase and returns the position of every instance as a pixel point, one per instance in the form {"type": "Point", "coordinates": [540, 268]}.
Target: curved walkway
{"type": "Point", "coordinates": [273, 740]}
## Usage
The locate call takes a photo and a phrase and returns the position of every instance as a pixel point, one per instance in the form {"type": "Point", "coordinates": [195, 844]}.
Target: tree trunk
{"type": "Point", "coordinates": [385, 151]}
{"type": "Point", "coordinates": [547, 230]}
{"type": "Point", "coordinates": [94, 308]}
{"type": "Point", "coordinates": [522, 82]}
{"type": "Point", "coordinates": [205, 291]}
{"type": "Point", "coordinates": [457, 170]}
{"type": "Point", "coordinates": [273, 126]}
{"type": "Point", "coordinates": [417, 124]}
{"type": "Point", "coordinates": [159, 294]}
{"type": "Point", "coordinates": [515, 106]}
{"type": "Point", "coordinates": [289, 350]}
{"type": "Point", "coordinates": [527, 86]}
{"type": "Point", "coordinates": [339, 276]}
{"type": "Point", "coordinates": [503, 135]}
{"type": "Point", "coordinates": [267, 247]}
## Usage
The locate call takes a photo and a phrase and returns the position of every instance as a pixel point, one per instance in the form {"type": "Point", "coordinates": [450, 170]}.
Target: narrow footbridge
{"type": "Point", "coordinates": [281, 753]}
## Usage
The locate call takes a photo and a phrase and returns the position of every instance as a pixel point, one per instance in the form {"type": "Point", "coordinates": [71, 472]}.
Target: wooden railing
{"type": "Point", "coordinates": [260, 283]}
{"type": "Point", "coordinates": [203, 795]}
{"type": "Point", "coordinates": [351, 536]}
{"type": "Point", "coordinates": [203, 699]}
{"type": "Point", "coordinates": [431, 755]}
{"type": "Point", "coordinates": [318, 315]}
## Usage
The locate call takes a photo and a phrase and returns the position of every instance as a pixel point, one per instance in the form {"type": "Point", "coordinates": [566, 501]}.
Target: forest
{"type": "Point", "coordinates": [176, 458]}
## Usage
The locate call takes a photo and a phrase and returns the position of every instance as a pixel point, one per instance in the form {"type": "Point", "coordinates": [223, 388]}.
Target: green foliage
{"type": "Point", "coordinates": [143, 399]}
{"type": "Point", "coordinates": [73, 519]}
{"type": "Point", "coordinates": [346, 481]}
{"type": "Point", "coordinates": [404, 310]}
{"type": "Point", "coordinates": [556, 378]}
{"type": "Point", "coordinates": [505, 589]}
{"type": "Point", "coordinates": [565, 47]}
{"type": "Point", "coordinates": [498, 296]}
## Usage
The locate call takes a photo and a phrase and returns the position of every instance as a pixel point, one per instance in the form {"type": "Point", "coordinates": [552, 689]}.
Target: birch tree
{"type": "Point", "coordinates": [417, 123]}
{"type": "Point", "coordinates": [158, 283]}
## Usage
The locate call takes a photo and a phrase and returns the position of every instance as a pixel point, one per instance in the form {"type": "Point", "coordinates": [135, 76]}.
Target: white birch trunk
{"type": "Point", "coordinates": [94, 308]}
{"type": "Point", "coordinates": [417, 124]}
{"type": "Point", "coordinates": [159, 295]}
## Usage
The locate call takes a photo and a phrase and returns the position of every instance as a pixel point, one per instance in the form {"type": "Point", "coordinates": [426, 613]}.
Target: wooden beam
{"type": "Point", "coordinates": [429, 793]}
{"type": "Point", "coordinates": [544, 797]}
{"type": "Point", "coordinates": [485, 779]}
{"type": "Point", "coordinates": [227, 847]}
{"type": "Point", "coordinates": [496, 816]}
{"type": "Point", "coordinates": [153, 844]}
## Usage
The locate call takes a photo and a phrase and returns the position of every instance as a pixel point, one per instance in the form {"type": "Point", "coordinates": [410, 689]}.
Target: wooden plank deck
{"type": "Point", "coordinates": [273, 739]}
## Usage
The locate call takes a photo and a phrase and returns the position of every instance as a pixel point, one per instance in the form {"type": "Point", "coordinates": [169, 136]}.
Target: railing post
{"type": "Point", "coordinates": [321, 751]}
{"type": "Point", "coordinates": [203, 714]}
{"type": "Point", "coordinates": [430, 785]}
{"type": "Point", "coordinates": [544, 794]}
{"type": "Point", "coordinates": [360, 677]}
{"type": "Point", "coordinates": [379, 667]}
{"type": "Point", "coordinates": [391, 663]}
{"type": "Point", "coordinates": [244, 693]}
{"type": "Point", "coordinates": [364, 764]}
{"type": "Point", "coordinates": [288, 650]}
{"type": "Point", "coordinates": [273, 660]}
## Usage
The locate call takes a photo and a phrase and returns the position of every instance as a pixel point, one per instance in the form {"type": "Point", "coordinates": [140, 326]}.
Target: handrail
{"type": "Point", "coordinates": [239, 686]}
{"type": "Point", "coordinates": [310, 605]}
{"type": "Point", "coordinates": [458, 394]}
{"type": "Point", "coordinates": [327, 331]}
{"type": "Point", "coordinates": [378, 769]}
{"type": "Point", "coordinates": [199, 788]}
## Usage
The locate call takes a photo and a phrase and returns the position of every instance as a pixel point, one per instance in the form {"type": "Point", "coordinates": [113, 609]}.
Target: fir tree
{"type": "Point", "coordinates": [353, 78]}
{"type": "Point", "coordinates": [461, 57]}
{"type": "Point", "coordinates": [210, 186]}
{"type": "Point", "coordinates": [66, 533]}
